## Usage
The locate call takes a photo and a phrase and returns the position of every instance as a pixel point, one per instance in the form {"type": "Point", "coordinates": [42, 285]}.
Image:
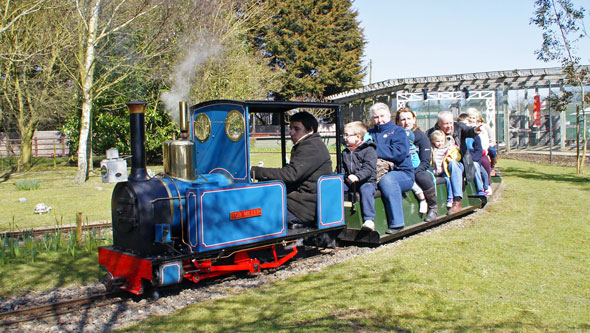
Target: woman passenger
{"type": "Point", "coordinates": [406, 118]}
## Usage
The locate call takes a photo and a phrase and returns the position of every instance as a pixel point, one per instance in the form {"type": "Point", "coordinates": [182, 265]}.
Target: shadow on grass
{"type": "Point", "coordinates": [6, 175]}
{"type": "Point", "coordinates": [48, 272]}
{"type": "Point", "coordinates": [527, 173]}
{"type": "Point", "coordinates": [317, 303]}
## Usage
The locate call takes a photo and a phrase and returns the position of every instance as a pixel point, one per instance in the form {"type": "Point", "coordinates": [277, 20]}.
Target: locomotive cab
{"type": "Point", "coordinates": [222, 146]}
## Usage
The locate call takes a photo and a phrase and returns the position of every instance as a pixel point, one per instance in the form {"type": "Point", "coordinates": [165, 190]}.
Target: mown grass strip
{"type": "Point", "coordinates": [520, 265]}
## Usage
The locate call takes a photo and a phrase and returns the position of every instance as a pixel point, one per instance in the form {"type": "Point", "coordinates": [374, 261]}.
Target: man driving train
{"type": "Point", "coordinates": [310, 159]}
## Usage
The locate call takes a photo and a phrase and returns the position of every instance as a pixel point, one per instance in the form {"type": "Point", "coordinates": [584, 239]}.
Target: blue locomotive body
{"type": "Point", "coordinates": [176, 224]}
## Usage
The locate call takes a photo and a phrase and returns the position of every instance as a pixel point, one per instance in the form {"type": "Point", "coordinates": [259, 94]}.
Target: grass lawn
{"type": "Point", "coordinates": [520, 265]}
{"type": "Point", "coordinates": [58, 191]}
{"type": "Point", "coordinates": [49, 271]}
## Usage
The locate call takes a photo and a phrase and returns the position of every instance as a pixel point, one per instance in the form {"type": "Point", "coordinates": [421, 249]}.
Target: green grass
{"type": "Point", "coordinates": [27, 184]}
{"type": "Point", "coordinates": [50, 261]}
{"type": "Point", "coordinates": [58, 191]}
{"type": "Point", "coordinates": [50, 270]}
{"type": "Point", "coordinates": [522, 265]}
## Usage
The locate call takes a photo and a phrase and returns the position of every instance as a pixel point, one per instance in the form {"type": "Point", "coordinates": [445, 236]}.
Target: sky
{"type": "Point", "coordinates": [410, 38]}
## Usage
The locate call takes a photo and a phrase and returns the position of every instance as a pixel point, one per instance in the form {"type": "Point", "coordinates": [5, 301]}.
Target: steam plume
{"type": "Point", "coordinates": [184, 73]}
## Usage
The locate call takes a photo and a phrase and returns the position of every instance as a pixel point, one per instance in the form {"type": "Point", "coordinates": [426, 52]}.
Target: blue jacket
{"type": "Point", "coordinates": [475, 148]}
{"type": "Point", "coordinates": [392, 145]}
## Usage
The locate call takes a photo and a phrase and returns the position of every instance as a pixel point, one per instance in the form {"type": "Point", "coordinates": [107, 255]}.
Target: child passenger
{"type": "Point", "coordinates": [474, 145]}
{"type": "Point", "coordinates": [359, 162]}
{"type": "Point", "coordinates": [443, 152]}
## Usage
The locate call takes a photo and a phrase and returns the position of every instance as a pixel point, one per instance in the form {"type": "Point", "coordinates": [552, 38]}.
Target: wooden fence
{"type": "Point", "coordinates": [45, 144]}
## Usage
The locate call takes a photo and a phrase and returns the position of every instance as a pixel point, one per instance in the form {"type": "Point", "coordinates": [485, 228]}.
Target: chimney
{"type": "Point", "coordinates": [137, 128]}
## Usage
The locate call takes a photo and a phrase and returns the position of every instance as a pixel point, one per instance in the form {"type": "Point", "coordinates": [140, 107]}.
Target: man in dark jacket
{"type": "Point", "coordinates": [393, 146]}
{"type": "Point", "coordinates": [359, 161]}
{"type": "Point", "coordinates": [457, 132]}
{"type": "Point", "coordinates": [310, 159]}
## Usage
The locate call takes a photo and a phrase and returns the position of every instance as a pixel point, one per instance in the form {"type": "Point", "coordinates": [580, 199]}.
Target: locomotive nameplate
{"type": "Point", "coordinates": [245, 214]}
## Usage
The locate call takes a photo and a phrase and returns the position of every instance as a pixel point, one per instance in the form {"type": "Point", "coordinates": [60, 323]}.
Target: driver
{"type": "Point", "coordinates": [310, 159]}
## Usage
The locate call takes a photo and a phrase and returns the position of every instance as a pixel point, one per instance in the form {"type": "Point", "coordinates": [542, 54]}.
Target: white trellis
{"type": "Point", "coordinates": [403, 98]}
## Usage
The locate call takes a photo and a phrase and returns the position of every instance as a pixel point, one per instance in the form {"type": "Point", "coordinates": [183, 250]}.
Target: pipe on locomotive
{"type": "Point", "coordinates": [184, 119]}
{"type": "Point", "coordinates": [137, 128]}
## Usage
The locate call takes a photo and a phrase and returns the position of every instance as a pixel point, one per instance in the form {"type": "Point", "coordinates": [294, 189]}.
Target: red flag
{"type": "Point", "coordinates": [537, 111]}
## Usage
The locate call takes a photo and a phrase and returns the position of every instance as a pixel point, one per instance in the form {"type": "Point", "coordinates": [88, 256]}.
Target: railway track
{"type": "Point", "coordinates": [54, 229]}
{"type": "Point", "coordinates": [60, 308]}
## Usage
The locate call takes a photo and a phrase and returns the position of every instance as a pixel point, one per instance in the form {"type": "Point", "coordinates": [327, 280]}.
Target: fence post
{"type": "Point", "coordinates": [36, 147]}
{"type": "Point", "coordinates": [506, 117]}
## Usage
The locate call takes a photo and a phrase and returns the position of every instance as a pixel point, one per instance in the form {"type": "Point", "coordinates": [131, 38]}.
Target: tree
{"type": "Point", "coordinates": [202, 45]}
{"type": "Point", "coordinates": [563, 27]}
{"type": "Point", "coordinates": [34, 86]}
{"type": "Point", "coordinates": [14, 11]}
{"type": "Point", "coordinates": [237, 71]}
{"type": "Point", "coordinates": [318, 43]}
{"type": "Point", "coordinates": [107, 41]}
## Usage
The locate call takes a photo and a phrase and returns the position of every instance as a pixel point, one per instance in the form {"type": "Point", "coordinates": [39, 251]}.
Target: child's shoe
{"type": "Point", "coordinates": [423, 207]}
{"type": "Point", "coordinates": [449, 202]}
{"type": "Point", "coordinates": [369, 225]}
{"type": "Point", "coordinates": [489, 190]}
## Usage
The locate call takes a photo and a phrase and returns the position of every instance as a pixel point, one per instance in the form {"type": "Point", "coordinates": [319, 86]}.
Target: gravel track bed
{"type": "Point", "coordinates": [133, 310]}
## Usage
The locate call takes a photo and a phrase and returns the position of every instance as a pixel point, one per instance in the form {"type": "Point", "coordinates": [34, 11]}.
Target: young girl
{"type": "Point", "coordinates": [443, 152]}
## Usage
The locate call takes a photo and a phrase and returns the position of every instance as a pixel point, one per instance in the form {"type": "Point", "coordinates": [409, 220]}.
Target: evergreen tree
{"type": "Point", "coordinates": [318, 43]}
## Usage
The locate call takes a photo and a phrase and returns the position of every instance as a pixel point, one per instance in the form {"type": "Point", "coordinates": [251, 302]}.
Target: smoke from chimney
{"type": "Point", "coordinates": [184, 73]}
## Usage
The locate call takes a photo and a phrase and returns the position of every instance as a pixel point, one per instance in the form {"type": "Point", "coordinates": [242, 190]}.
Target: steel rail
{"type": "Point", "coordinates": [59, 308]}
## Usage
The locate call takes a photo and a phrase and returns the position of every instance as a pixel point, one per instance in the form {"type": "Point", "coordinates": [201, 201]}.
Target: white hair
{"type": "Point", "coordinates": [379, 106]}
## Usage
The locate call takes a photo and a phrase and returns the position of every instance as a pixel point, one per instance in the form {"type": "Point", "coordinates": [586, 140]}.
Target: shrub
{"type": "Point", "coordinates": [27, 184]}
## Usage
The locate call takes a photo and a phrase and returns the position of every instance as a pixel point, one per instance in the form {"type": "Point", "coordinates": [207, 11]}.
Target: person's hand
{"type": "Point", "coordinates": [478, 128]}
{"type": "Point", "coordinates": [353, 178]}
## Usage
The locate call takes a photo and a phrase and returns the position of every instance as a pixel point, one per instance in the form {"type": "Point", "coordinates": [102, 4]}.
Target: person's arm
{"type": "Point", "coordinates": [424, 150]}
{"type": "Point", "coordinates": [368, 165]}
{"type": "Point", "coordinates": [396, 148]}
{"type": "Point", "coordinates": [468, 131]}
{"type": "Point", "coordinates": [304, 162]}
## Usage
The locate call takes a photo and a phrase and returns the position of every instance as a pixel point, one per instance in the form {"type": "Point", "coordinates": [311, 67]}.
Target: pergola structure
{"type": "Point", "coordinates": [496, 80]}
{"type": "Point", "coordinates": [483, 85]}
{"type": "Point", "coordinates": [403, 98]}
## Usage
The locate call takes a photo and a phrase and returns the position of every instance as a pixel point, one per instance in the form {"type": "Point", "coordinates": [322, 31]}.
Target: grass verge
{"type": "Point", "coordinates": [50, 261]}
{"type": "Point", "coordinates": [520, 265]}
{"type": "Point", "coordinates": [57, 190]}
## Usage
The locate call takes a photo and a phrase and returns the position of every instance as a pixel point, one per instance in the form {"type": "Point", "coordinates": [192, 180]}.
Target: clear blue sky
{"type": "Point", "coordinates": [408, 38]}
